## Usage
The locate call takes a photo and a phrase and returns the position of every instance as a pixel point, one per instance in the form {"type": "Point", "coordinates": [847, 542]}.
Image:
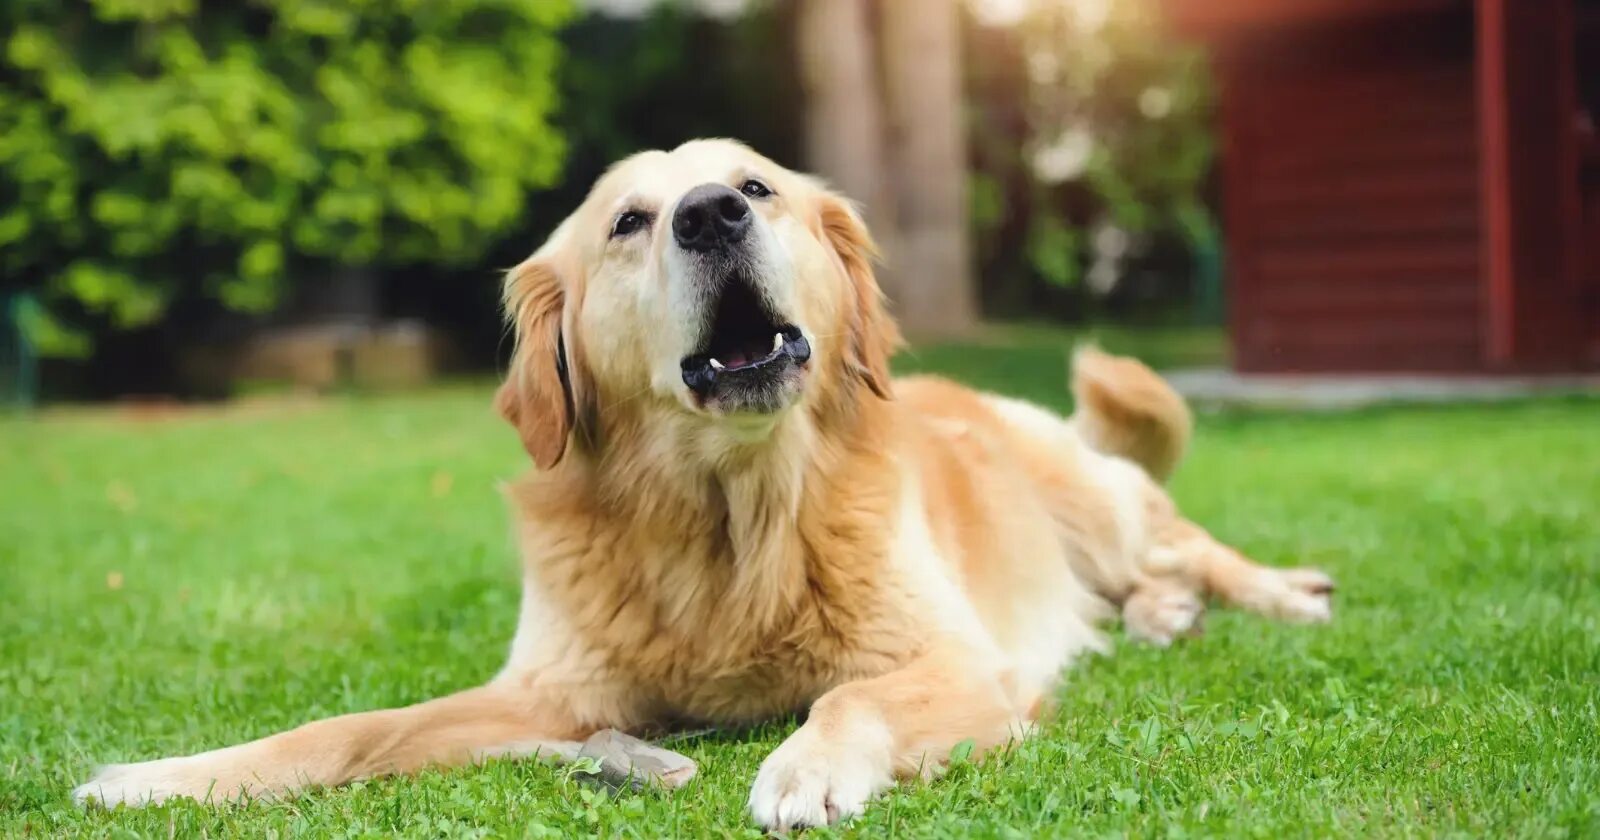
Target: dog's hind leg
{"type": "Point", "coordinates": [1186, 551]}
{"type": "Point", "coordinates": [474, 725]}
{"type": "Point", "coordinates": [1160, 609]}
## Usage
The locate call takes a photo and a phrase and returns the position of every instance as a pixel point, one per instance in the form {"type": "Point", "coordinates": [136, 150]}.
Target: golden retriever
{"type": "Point", "coordinates": [736, 514]}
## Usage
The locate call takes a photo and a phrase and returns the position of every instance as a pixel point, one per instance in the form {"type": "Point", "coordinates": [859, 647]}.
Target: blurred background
{"type": "Point", "coordinates": [200, 199]}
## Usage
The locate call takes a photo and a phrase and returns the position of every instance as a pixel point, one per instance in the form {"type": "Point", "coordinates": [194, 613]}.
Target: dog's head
{"type": "Point", "coordinates": [706, 281]}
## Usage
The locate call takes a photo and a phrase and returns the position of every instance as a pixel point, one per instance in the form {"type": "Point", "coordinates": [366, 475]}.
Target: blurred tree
{"type": "Point", "coordinates": [885, 125]}
{"type": "Point", "coordinates": [923, 82]}
{"type": "Point", "coordinates": [156, 149]}
{"type": "Point", "coordinates": [844, 115]}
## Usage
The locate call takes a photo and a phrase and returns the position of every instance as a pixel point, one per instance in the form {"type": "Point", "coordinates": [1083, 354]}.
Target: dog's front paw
{"type": "Point", "coordinates": [152, 782]}
{"type": "Point", "coordinates": [145, 783]}
{"type": "Point", "coordinates": [812, 781]}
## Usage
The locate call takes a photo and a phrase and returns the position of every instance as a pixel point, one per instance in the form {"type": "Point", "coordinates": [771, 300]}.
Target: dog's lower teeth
{"type": "Point", "coordinates": [777, 342]}
{"type": "Point", "coordinates": [716, 365]}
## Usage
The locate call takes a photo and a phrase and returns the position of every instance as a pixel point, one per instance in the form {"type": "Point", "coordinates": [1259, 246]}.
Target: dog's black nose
{"type": "Point", "coordinates": [711, 216]}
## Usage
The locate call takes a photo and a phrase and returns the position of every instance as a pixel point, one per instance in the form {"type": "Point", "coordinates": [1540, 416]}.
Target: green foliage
{"type": "Point", "coordinates": [1143, 100]}
{"type": "Point", "coordinates": [45, 334]}
{"type": "Point", "coordinates": [1117, 130]}
{"type": "Point", "coordinates": [1055, 249]}
{"type": "Point", "coordinates": [151, 149]}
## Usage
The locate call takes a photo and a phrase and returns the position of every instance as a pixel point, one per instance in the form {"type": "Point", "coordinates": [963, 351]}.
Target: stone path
{"type": "Point", "coordinates": [1219, 387]}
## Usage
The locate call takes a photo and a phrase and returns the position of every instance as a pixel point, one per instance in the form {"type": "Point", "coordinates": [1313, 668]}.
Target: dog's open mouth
{"type": "Point", "coordinates": [746, 354]}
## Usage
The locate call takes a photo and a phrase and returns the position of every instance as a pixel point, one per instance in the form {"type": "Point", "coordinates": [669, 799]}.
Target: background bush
{"type": "Point", "coordinates": [153, 150]}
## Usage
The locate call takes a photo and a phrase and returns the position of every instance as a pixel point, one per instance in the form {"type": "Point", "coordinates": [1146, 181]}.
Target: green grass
{"type": "Point", "coordinates": [176, 585]}
{"type": "Point", "coordinates": [1031, 360]}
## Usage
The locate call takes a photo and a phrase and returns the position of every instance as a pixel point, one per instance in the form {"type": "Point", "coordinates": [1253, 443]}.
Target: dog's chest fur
{"type": "Point", "coordinates": [734, 616]}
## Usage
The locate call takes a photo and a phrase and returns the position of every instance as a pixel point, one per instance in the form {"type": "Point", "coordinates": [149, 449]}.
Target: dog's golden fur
{"type": "Point", "coordinates": [914, 561]}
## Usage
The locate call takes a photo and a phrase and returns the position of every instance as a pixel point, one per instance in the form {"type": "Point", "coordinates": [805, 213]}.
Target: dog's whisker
{"type": "Point", "coordinates": [606, 410]}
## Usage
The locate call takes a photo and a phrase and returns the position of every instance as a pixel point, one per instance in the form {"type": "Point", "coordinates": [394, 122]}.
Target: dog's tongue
{"type": "Point", "coordinates": [746, 353]}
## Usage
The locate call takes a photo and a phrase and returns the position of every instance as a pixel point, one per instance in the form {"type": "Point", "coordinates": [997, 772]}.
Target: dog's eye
{"type": "Point", "coordinates": [627, 222]}
{"type": "Point", "coordinates": [755, 189]}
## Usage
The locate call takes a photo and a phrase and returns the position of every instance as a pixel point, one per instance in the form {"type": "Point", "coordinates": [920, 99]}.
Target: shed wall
{"type": "Point", "coordinates": [1351, 185]}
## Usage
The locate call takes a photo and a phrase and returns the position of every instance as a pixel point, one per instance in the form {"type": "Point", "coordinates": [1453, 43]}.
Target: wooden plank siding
{"type": "Point", "coordinates": [1408, 185]}
{"type": "Point", "coordinates": [1535, 314]}
{"type": "Point", "coordinates": [1350, 166]}
{"type": "Point", "coordinates": [1586, 72]}
{"type": "Point", "coordinates": [1218, 19]}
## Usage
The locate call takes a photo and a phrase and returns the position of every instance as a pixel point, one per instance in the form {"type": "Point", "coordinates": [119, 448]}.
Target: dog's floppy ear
{"type": "Point", "coordinates": [537, 396]}
{"type": "Point", "coordinates": [873, 336]}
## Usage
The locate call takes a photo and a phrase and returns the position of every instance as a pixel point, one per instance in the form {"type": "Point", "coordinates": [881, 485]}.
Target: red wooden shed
{"type": "Point", "coordinates": [1408, 185]}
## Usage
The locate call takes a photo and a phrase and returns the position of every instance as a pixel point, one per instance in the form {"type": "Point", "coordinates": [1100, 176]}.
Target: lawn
{"type": "Point", "coordinates": [180, 583]}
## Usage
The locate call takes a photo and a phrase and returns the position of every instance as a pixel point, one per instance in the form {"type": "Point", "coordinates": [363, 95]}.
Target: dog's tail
{"type": "Point", "coordinates": [1125, 409]}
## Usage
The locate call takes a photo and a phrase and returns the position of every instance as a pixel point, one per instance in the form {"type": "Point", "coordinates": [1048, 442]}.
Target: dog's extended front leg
{"type": "Point", "coordinates": [494, 720]}
{"type": "Point", "coordinates": [863, 734]}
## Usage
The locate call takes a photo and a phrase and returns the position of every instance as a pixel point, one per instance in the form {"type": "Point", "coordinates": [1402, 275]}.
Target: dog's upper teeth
{"type": "Point", "coordinates": [716, 365]}
{"type": "Point", "coordinates": [777, 342]}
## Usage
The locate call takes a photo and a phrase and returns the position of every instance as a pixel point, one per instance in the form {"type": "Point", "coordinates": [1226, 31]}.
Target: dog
{"type": "Point", "coordinates": [736, 514]}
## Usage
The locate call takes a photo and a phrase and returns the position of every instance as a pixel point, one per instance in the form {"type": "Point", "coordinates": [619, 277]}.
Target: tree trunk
{"type": "Point", "coordinates": [928, 162]}
{"type": "Point", "coordinates": [844, 116]}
